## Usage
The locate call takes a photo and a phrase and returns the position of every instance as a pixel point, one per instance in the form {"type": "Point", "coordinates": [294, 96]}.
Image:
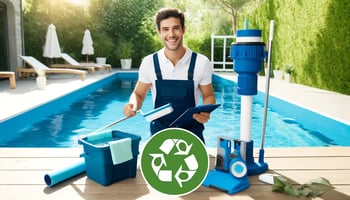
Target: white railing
{"type": "Point", "coordinates": [223, 63]}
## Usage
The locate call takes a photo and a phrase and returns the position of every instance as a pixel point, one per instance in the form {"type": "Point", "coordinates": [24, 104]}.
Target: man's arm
{"type": "Point", "coordinates": [208, 98]}
{"type": "Point", "coordinates": [207, 94]}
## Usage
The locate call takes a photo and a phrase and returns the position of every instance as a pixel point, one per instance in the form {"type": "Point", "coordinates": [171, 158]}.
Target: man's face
{"type": "Point", "coordinates": [171, 33]}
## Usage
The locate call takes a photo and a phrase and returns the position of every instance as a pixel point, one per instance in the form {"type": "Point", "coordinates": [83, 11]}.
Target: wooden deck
{"type": "Point", "coordinates": [22, 173]}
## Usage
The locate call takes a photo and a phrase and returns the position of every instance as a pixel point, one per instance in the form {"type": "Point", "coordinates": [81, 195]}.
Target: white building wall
{"type": "Point", "coordinates": [15, 34]}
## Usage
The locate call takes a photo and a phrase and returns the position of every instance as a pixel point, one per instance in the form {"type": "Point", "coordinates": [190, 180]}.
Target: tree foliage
{"type": "Point", "coordinates": [310, 35]}
{"type": "Point", "coordinates": [233, 8]}
{"type": "Point", "coordinates": [113, 21]}
{"type": "Point", "coordinates": [39, 14]}
{"type": "Point", "coordinates": [125, 21]}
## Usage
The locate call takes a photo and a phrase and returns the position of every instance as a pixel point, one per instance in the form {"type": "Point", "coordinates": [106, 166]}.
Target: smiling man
{"type": "Point", "coordinates": [175, 74]}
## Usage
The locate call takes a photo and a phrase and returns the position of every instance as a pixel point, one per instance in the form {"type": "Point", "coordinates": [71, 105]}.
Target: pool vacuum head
{"type": "Point", "coordinates": [230, 172]}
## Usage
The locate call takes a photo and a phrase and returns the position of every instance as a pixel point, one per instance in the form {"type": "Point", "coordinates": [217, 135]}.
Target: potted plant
{"type": "Point", "coordinates": [125, 51]}
{"type": "Point", "coordinates": [41, 79]}
{"type": "Point", "coordinates": [288, 69]}
{"type": "Point", "coordinates": [278, 73]}
{"type": "Point", "coordinates": [103, 47]}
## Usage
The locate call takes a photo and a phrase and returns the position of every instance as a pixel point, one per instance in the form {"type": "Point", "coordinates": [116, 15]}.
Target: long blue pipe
{"type": "Point", "coordinates": [66, 173]}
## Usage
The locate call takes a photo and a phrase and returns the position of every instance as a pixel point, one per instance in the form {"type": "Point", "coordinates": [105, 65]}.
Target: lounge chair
{"type": "Point", "coordinates": [37, 65]}
{"type": "Point", "coordinates": [90, 69]}
{"type": "Point", "coordinates": [74, 64]}
{"type": "Point", "coordinates": [11, 76]}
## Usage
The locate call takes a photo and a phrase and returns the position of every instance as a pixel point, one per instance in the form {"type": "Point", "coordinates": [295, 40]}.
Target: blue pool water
{"type": "Point", "coordinates": [64, 120]}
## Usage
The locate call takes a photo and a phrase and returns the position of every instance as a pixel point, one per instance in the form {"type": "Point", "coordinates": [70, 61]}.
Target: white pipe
{"type": "Point", "coordinates": [224, 55]}
{"type": "Point", "coordinates": [246, 123]}
{"type": "Point", "coordinates": [212, 50]}
{"type": "Point", "coordinates": [246, 118]}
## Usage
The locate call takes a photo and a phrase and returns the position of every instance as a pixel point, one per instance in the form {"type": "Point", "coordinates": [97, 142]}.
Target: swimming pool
{"type": "Point", "coordinates": [61, 122]}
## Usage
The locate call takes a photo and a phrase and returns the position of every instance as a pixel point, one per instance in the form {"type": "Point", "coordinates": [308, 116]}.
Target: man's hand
{"type": "Point", "coordinates": [129, 110]}
{"type": "Point", "coordinates": [202, 117]}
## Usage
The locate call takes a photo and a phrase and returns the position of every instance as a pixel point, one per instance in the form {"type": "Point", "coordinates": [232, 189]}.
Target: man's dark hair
{"type": "Point", "coordinates": [165, 13]}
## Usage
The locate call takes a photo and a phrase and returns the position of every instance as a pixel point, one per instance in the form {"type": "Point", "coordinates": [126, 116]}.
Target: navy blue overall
{"type": "Point", "coordinates": [180, 93]}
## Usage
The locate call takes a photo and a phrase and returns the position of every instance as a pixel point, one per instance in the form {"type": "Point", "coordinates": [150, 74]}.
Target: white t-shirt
{"type": "Point", "coordinates": [202, 74]}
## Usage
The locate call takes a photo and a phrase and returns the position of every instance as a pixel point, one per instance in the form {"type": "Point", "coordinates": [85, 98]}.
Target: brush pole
{"type": "Point", "coordinates": [267, 84]}
{"type": "Point", "coordinates": [114, 123]}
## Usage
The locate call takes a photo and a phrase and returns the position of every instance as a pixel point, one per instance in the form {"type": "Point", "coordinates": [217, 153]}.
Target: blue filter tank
{"type": "Point", "coordinates": [248, 55]}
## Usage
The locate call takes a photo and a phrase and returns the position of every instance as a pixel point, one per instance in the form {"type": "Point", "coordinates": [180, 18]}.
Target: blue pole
{"type": "Point", "coordinates": [68, 172]}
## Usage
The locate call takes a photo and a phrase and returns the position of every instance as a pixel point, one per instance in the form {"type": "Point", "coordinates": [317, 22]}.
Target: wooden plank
{"type": "Point", "coordinates": [296, 163]}
{"type": "Point", "coordinates": [23, 170]}
{"type": "Point", "coordinates": [298, 151]}
{"type": "Point", "coordinates": [269, 152]}
{"type": "Point", "coordinates": [127, 185]}
{"type": "Point", "coordinates": [311, 163]}
{"type": "Point", "coordinates": [77, 192]}
{"type": "Point", "coordinates": [306, 151]}
{"type": "Point", "coordinates": [31, 178]}
{"type": "Point", "coordinates": [40, 152]}
{"type": "Point", "coordinates": [36, 163]}
{"type": "Point", "coordinates": [336, 177]}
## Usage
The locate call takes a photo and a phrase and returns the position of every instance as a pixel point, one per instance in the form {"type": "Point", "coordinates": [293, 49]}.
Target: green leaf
{"type": "Point", "coordinates": [312, 188]}
{"type": "Point", "coordinates": [290, 190]}
{"type": "Point", "coordinates": [279, 184]}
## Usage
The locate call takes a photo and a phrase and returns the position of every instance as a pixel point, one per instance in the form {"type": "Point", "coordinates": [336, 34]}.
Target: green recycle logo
{"type": "Point", "coordinates": [174, 162]}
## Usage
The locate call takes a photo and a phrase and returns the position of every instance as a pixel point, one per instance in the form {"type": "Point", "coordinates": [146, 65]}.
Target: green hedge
{"type": "Point", "coordinates": [312, 35]}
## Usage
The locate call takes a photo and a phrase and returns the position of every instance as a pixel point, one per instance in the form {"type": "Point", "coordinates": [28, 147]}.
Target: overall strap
{"type": "Point", "coordinates": [157, 67]}
{"type": "Point", "coordinates": [190, 69]}
{"type": "Point", "coordinates": [192, 64]}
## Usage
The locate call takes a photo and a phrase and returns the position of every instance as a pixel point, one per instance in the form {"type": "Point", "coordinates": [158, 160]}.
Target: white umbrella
{"type": "Point", "coordinates": [88, 49]}
{"type": "Point", "coordinates": [52, 47]}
